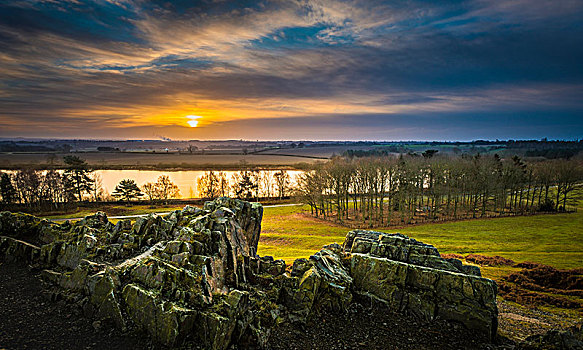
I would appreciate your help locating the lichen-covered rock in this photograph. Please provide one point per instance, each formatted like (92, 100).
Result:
(410, 276)
(164, 320)
(25, 226)
(324, 284)
(194, 276)
(16, 249)
(399, 247)
(183, 276)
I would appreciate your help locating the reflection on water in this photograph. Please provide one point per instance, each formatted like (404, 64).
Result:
(185, 180)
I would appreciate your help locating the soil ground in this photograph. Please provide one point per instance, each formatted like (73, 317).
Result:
(377, 328)
(30, 320)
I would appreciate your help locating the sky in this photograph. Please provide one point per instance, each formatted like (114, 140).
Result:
(292, 70)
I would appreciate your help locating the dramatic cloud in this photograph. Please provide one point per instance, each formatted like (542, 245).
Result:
(308, 69)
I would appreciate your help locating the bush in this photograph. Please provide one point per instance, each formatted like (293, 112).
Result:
(547, 205)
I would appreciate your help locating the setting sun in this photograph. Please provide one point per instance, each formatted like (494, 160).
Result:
(193, 122)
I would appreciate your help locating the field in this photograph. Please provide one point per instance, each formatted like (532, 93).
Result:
(553, 239)
(142, 158)
(155, 161)
(113, 210)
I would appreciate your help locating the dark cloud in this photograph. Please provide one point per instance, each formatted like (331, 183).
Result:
(347, 68)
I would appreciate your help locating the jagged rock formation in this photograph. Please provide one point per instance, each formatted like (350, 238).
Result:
(411, 276)
(194, 276)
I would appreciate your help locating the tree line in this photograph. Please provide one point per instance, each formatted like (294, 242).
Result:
(52, 189)
(245, 184)
(383, 191)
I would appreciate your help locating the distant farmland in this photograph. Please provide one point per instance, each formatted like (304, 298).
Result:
(158, 161)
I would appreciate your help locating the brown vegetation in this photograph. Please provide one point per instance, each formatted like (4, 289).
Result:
(538, 284)
(484, 260)
(452, 256)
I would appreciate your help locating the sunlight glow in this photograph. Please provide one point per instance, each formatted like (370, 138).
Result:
(193, 122)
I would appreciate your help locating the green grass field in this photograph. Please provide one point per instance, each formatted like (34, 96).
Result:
(554, 239)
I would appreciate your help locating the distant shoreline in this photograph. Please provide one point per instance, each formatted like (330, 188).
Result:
(206, 167)
(171, 161)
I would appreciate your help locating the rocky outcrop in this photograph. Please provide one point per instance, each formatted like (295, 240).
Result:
(194, 275)
(410, 276)
(182, 277)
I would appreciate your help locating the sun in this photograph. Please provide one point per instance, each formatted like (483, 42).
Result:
(193, 122)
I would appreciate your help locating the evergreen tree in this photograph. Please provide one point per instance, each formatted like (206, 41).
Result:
(244, 185)
(127, 190)
(77, 174)
(7, 189)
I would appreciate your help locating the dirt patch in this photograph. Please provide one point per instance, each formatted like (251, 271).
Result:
(374, 328)
(522, 318)
(30, 320)
(563, 281)
(531, 298)
(538, 284)
(519, 322)
(484, 260)
(452, 256)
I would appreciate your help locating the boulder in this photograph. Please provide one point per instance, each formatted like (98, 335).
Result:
(410, 276)
(324, 284)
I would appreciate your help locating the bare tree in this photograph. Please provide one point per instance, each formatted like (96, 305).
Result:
(97, 192)
(567, 174)
(209, 185)
(28, 186)
(267, 182)
(282, 182)
(433, 187)
(162, 189)
(224, 187)
(166, 188)
(150, 190)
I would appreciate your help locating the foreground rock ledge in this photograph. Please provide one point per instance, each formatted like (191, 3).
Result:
(194, 276)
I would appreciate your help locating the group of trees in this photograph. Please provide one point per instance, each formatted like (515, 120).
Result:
(388, 190)
(245, 184)
(163, 189)
(51, 188)
(77, 182)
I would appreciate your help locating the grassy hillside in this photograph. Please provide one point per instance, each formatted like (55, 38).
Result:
(555, 239)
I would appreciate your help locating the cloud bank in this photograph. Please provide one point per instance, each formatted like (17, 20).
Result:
(308, 69)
